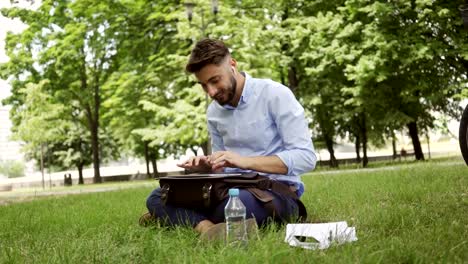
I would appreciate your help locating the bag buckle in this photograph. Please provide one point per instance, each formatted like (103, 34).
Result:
(207, 194)
(164, 193)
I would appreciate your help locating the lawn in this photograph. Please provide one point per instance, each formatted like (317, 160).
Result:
(411, 213)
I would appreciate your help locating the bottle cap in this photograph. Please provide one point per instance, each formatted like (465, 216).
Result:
(234, 192)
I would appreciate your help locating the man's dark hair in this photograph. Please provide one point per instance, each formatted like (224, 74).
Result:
(206, 51)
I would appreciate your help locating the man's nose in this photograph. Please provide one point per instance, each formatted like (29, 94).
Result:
(211, 90)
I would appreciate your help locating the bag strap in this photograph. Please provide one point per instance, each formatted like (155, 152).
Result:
(284, 190)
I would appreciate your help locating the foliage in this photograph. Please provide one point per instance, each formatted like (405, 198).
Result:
(76, 45)
(12, 168)
(109, 76)
(40, 117)
(384, 65)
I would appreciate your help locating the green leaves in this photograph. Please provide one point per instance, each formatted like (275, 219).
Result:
(40, 116)
(119, 65)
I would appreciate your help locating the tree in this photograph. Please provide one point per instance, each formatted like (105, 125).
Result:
(362, 69)
(147, 42)
(40, 123)
(410, 58)
(373, 58)
(77, 42)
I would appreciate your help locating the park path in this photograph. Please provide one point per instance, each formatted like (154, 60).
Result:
(21, 196)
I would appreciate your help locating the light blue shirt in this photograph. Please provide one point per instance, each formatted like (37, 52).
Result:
(267, 121)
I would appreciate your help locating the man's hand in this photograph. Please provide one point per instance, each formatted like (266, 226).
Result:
(222, 159)
(197, 164)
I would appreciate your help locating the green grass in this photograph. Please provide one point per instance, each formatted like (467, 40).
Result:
(414, 213)
(453, 157)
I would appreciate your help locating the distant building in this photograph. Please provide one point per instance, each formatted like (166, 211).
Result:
(9, 150)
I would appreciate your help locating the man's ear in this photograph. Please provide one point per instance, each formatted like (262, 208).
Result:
(233, 64)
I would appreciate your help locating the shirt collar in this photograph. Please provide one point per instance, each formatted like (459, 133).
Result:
(246, 92)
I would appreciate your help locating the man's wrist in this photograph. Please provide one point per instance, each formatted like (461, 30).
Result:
(248, 163)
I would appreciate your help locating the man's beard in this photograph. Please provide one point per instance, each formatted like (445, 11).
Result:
(231, 91)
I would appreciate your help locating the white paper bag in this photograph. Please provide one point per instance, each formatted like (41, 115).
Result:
(325, 234)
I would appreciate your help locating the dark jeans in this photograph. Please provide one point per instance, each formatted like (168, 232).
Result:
(287, 209)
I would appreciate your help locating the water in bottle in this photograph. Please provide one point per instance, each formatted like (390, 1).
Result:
(236, 231)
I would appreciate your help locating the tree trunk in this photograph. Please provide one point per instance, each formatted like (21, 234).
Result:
(154, 163)
(147, 160)
(413, 132)
(357, 146)
(95, 148)
(48, 168)
(92, 115)
(333, 161)
(282, 78)
(292, 78)
(365, 160)
(42, 165)
(204, 146)
(195, 151)
(428, 145)
(80, 173)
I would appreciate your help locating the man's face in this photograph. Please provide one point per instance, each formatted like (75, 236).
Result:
(218, 81)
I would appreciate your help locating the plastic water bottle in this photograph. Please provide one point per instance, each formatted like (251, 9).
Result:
(234, 212)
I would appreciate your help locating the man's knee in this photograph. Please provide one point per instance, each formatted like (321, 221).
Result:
(153, 200)
(281, 208)
(255, 208)
(245, 196)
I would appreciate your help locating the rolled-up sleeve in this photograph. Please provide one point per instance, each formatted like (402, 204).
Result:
(299, 154)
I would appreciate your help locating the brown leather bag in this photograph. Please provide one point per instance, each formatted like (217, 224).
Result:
(205, 191)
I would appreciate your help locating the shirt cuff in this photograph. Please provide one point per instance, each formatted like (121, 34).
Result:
(288, 161)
